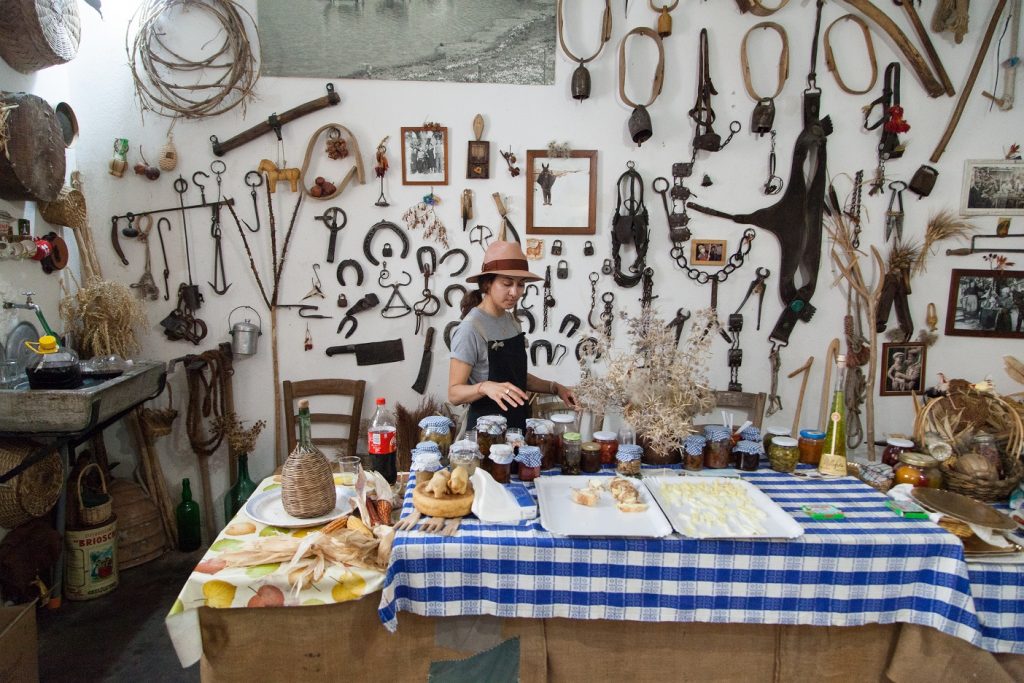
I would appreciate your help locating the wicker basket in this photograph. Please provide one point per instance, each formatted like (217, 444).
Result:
(94, 515)
(307, 484)
(32, 493)
(35, 34)
(1009, 434)
(68, 209)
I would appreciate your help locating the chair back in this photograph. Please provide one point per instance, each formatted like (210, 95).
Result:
(751, 403)
(335, 402)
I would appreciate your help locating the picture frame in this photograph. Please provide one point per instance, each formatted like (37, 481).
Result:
(902, 368)
(992, 187)
(708, 252)
(425, 155)
(561, 193)
(478, 160)
(986, 303)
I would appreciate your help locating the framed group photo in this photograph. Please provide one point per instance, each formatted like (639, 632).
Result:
(992, 188)
(903, 367)
(986, 303)
(425, 155)
(561, 193)
(707, 252)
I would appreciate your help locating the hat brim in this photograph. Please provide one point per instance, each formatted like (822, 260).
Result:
(523, 274)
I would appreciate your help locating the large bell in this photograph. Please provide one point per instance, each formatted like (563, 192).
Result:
(640, 127)
(580, 83)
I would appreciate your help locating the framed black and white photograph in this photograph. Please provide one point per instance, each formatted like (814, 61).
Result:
(561, 193)
(992, 188)
(459, 41)
(425, 155)
(986, 303)
(902, 369)
(707, 252)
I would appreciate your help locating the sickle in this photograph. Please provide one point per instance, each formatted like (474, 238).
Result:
(453, 288)
(448, 333)
(115, 241)
(572, 322)
(541, 344)
(350, 263)
(383, 225)
(465, 260)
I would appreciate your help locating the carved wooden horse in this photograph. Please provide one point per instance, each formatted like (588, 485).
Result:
(276, 175)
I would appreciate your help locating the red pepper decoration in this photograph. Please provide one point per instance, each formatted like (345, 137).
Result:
(896, 122)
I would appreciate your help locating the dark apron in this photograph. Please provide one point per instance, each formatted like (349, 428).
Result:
(506, 363)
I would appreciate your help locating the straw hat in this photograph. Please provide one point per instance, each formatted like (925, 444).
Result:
(505, 258)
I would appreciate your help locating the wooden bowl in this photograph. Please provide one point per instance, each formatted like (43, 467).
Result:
(449, 506)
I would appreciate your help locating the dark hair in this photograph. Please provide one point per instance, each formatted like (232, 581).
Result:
(473, 299)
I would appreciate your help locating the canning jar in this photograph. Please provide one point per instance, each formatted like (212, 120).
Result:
(465, 453)
(541, 433)
(811, 443)
(918, 469)
(501, 462)
(693, 452)
(609, 443)
(590, 457)
(627, 459)
(770, 433)
(893, 448)
(514, 438)
(424, 464)
(985, 444)
(748, 455)
(783, 453)
(751, 433)
(571, 453)
(490, 430)
(718, 449)
(563, 422)
(529, 459)
(440, 430)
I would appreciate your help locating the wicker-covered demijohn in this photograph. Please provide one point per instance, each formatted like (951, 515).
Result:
(307, 480)
(35, 34)
(32, 493)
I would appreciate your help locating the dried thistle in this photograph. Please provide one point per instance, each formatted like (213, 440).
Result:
(240, 440)
(658, 387)
(945, 225)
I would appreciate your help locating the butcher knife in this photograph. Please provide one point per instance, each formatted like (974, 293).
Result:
(420, 386)
(372, 353)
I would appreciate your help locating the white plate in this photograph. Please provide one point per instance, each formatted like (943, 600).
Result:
(776, 523)
(560, 515)
(266, 508)
(16, 349)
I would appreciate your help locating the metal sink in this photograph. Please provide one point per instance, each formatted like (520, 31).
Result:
(63, 411)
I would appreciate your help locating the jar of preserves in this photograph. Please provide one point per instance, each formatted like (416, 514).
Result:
(693, 452)
(514, 438)
(563, 422)
(751, 433)
(918, 469)
(749, 455)
(609, 443)
(784, 453)
(811, 443)
(440, 430)
(424, 464)
(529, 459)
(590, 457)
(465, 453)
(893, 448)
(571, 453)
(718, 448)
(770, 433)
(501, 462)
(541, 433)
(985, 445)
(627, 459)
(490, 430)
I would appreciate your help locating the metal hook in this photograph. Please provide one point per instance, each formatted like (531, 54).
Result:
(202, 188)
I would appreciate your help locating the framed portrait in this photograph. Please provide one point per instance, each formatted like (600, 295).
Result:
(561, 193)
(707, 252)
(986, 303)
(992, 188)
(902, 369)
(425, 155)
(478, 160)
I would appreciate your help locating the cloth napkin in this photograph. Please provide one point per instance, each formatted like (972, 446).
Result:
(492, 503)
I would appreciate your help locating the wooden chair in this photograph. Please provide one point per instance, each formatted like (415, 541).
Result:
(337, 390)
(753, 404)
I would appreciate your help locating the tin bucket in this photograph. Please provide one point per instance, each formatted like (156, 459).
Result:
(90, 561)
(244, 335)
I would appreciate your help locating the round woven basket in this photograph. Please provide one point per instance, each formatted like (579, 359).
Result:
(32, 493)
(307, 484)
(68, 209)
(94, 514)
(35, 34)
(1009, 434)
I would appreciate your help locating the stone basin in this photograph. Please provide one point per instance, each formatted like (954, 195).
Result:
(63, 411)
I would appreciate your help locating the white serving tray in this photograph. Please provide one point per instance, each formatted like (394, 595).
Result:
(559, 515)
(777, 523)
(266, 508)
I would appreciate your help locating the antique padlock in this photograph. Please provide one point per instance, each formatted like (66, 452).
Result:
(387, 252)
(735, 358)
(342, 300)
(664, 22)
(682, 169)
(709, 141)
(681, 192)
(923, 181)
(580, 83)
(763, 119)
(562, 270)
(606, 266)
(556, 248)
(588, 248)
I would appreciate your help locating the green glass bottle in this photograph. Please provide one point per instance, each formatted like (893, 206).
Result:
(833, 459)
(190, 535)
(240, 492)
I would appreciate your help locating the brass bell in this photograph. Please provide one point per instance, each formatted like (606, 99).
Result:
(664, 23)
(580, 83)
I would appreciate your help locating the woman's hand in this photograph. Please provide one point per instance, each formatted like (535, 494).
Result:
(505, 394)
(567, 396)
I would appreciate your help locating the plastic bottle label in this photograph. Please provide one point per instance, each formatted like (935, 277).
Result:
(382, 442)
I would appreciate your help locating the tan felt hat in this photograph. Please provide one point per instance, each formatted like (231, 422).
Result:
(505, 258)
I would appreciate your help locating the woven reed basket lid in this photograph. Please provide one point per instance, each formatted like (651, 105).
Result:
(35, 34)
(67, 209)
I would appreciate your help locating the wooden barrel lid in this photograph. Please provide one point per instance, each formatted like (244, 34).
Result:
(32, 160)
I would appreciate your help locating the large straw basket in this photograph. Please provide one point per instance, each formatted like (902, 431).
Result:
(35, 34)
(976, 412)
(68, 209)
(32, 493)
(94, 514)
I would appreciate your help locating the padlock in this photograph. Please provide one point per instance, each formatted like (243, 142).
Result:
(388, 252)
(763, 119)
(606, 266)
(735, 358)
(556, 248)
(709, 142)
(680, 192)
(682, 169)
(735, 322)
(342, 300)
(562, 270)
(588, 248)
(923, 181)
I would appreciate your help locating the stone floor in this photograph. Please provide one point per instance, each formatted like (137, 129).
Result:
(120, 636)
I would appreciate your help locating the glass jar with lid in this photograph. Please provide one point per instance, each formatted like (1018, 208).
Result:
(627, 435)
(984, 444)
(749, 455)
(751, 433)
(784, 453)
(769, 433)
(541, 433)
(440, 430)
(563, 422)
(490, 429)
(424, 464)
(529, 459)
(693, 452)
(893, 447)
(571, 453)
(918, 469)
(465, 453)
(609, 443)
(718, 448)
(811, 444)
(590, 457)
(627, 459)
(501, 462)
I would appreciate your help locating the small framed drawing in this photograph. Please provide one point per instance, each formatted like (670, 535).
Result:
(478, 160)
(902, 369)
(707, 252)
(986, 303)
(992, 188)
(425, 155)
(561, 193)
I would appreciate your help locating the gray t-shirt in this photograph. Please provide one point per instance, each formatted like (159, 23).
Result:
(469, 347)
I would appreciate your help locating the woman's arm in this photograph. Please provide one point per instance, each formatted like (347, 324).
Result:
(543, 386)
(505, 394)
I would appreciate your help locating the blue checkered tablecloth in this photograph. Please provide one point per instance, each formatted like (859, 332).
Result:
(871, 567)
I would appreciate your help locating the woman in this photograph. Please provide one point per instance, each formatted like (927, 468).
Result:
(488, 359)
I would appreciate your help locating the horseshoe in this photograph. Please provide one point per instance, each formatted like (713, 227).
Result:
(569, 321)
(448, 329)
(453, 288)
(465, 260)
(350, 263)
(525, 313)
(383, 225)
(540, 344)
(588, 345)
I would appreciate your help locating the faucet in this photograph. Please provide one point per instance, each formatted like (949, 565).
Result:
(29, 306)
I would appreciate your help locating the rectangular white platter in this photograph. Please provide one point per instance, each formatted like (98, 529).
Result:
(559, 515)
(769, 520)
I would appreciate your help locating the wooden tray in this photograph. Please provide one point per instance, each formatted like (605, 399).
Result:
(449, 506)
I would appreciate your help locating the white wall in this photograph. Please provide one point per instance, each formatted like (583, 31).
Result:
(528, 117)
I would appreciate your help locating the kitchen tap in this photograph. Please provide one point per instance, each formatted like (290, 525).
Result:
(29, 306)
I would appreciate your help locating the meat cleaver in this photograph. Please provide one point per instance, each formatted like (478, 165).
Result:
(372, 353)
(420, 386)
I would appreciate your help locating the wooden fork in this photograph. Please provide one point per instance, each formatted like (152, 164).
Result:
(433, 525)
(408, 523)
(451, 526)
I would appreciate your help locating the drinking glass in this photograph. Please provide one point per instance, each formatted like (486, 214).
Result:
(9, 374)
(348, 469)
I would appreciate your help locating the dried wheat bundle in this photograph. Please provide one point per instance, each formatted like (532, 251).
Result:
(104, 316)
(945, 225)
